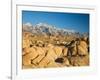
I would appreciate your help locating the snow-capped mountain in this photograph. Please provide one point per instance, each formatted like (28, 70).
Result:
(43, 28)
(27, 27)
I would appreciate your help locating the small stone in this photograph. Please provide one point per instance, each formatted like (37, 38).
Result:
(66, 61)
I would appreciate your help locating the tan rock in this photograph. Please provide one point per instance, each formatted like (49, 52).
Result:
(27, 50)
(80, 61)
(26, 34)
(51, 54)
(45, 49)
(26, 43)
(82, 51)
(29, 56)
(58, 51)
(74, 51)
(44, 62)
(83, 44)
(65, 51)
(53, 64)
(26, 61)
(66, 61)
(28, 66)
(50, 46)
(38, 59)
(40, 50)
(86, 39)
(41, 54)
(83, 48)
(26, 39)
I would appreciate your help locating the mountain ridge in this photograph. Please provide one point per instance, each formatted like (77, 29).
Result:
(44, 28)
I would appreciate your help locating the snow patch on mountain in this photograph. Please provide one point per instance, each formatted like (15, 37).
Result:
(43, 28)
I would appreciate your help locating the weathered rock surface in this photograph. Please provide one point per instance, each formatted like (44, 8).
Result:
(65, 52)
(44, 53)
(79, 61)
(58, 51)
(83, 48)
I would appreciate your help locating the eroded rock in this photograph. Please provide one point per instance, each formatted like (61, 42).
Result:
(58, 51)
(43, 54)
(80, 61)
(65, 51)
(82, 48)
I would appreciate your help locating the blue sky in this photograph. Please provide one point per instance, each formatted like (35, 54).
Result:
(75, 21)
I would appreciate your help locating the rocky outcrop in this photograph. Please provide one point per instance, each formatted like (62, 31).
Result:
(73, 54)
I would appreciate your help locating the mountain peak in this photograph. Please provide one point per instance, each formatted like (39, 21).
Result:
(28, 24)
(44, 25)
(44, 28)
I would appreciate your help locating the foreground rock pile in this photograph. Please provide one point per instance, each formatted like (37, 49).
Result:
(41, 54)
